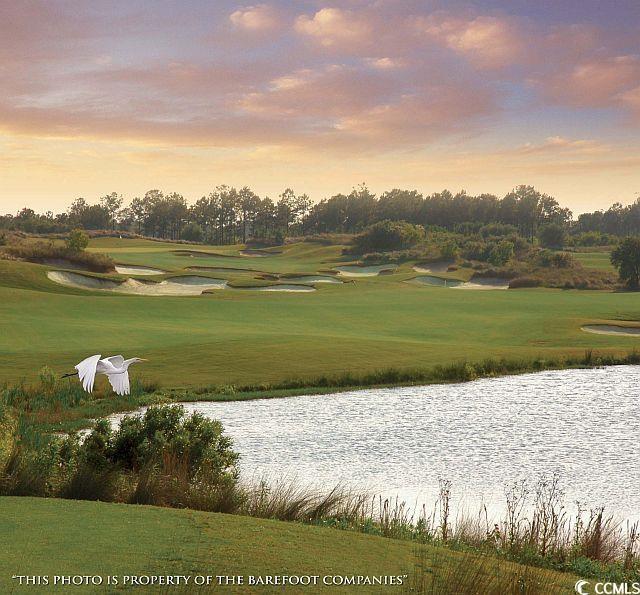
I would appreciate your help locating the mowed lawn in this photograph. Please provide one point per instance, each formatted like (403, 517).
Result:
(41, 537)
(237, 337)
(595, 260)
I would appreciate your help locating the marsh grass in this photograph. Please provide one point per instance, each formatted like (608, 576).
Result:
(478, 574)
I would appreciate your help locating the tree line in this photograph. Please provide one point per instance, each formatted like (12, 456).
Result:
(229, 215)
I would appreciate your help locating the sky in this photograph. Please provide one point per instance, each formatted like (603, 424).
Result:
(184, 95)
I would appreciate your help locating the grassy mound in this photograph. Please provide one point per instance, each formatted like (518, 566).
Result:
(60, 537)
(50, 253)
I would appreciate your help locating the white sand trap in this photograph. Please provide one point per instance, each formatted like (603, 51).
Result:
(364, 271)
(612, 329)
(484, 283)
(185, 285)
(221, 269)
(314, 279)
(132, 269)
(440, 266)
(436, 281)
(282, 287)
(255, 253)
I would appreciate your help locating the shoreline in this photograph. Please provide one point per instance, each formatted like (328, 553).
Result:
(457, 373)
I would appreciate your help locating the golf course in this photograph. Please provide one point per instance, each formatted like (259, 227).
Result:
(231, 322)
(236, 335)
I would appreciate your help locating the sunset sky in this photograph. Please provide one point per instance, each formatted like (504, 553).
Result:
(184, 95)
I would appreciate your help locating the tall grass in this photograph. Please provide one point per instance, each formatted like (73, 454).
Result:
(478, 574)
(43, 252)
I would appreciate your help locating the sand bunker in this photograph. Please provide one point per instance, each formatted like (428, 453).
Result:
(185, 285)
(440, 266)
(256, 253)
(221, 269)
(483, 283)
(612, 329)
(364, 271)
(132, 269)
(436, 281)
(202, 254)
(281, 287)
(313, 279)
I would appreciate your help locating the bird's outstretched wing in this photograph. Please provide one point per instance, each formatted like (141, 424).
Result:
(116, 360)
(87, 372)
(119, 383)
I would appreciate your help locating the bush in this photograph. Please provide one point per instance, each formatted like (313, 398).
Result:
(192, 232)
(552, 236)
(388, 235)
(519, 282)
(145, 440)
(626, 258)
(77, 241)
(558, 260)
(501, 253)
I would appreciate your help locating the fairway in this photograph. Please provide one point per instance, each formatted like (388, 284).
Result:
(237, 337)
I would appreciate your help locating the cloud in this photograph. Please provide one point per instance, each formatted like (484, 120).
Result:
(333, 27)
(602, 82)
(555, 145)
(330, 92)
(420, 118)
(261, 17)
(384, 63)
(486, 41)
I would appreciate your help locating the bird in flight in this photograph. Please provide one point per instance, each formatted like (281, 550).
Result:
(115, 368)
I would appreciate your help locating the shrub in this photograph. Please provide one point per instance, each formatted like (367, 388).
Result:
(525, 282)
(77, 241)
(626, 258)
(501, 253)
(193, 232)
(552, 236)
(558, 260)
(164, 431)
(449, 250)
(388, 235)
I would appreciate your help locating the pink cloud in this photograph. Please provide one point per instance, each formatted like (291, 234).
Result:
(261, 17)
(600, 82)
(333, 91)
(334, 27)
(486, 41)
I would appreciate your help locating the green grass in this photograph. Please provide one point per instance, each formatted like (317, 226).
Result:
(242, 337)
(595, 260)
(61, 537)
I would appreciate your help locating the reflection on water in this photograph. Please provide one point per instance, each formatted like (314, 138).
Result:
(584, 424)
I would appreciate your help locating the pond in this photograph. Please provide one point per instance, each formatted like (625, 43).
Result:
(481, 435)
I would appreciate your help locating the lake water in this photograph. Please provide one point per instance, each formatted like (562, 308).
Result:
(582, 424)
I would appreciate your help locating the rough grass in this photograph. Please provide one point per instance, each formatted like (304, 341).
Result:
(43, 252)
(58, 537)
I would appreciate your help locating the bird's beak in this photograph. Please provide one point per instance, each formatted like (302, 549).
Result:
(142, 359)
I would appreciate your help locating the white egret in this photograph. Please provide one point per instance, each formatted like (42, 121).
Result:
(115, 368)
